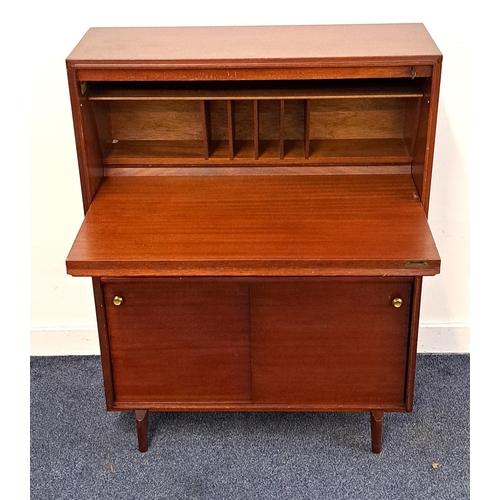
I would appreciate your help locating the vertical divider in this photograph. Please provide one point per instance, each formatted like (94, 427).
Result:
(307, 120)
(207, 130)
(230, 128)
(256, 129)
(411, 125)
(282, 129)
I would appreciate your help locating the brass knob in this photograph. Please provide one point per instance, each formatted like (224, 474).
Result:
(117, 300)
(397, 302)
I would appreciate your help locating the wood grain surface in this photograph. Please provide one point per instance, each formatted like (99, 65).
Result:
(260, 225)
(176, 341)
(255, 43)
(337, 341)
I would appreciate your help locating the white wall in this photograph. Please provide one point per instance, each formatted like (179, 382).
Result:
(62, 319)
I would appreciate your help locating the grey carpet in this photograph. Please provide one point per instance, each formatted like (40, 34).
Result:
(79, 451)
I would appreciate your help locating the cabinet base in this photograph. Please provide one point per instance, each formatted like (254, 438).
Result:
(376, 425)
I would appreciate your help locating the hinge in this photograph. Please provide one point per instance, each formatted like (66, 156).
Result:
(416, 263)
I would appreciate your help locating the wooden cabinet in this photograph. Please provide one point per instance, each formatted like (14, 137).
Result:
(256, 207)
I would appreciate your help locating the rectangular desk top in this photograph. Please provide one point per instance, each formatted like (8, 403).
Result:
(336, 225)
(255, 44)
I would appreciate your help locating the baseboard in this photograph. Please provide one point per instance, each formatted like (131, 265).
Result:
(64, 341)
(84, 341)
(444, 339)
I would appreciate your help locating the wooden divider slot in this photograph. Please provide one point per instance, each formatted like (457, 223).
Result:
(282, 129)
(230, 128)
(256, 129)
(306, 128)
(294, 129)
(207, 132)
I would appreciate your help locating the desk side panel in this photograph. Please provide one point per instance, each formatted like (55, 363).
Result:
(86, 138)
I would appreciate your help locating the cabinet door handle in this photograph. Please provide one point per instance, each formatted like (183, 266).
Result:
(397, 302)
(117, 300)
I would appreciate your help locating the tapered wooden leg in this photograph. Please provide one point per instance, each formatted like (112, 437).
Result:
(141, 420)
(376, 423)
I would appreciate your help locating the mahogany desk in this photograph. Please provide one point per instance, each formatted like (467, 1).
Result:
(256, 207)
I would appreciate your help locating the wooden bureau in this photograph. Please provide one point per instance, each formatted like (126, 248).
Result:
(256, 205)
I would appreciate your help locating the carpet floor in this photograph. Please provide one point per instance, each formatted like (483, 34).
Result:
(80, 451)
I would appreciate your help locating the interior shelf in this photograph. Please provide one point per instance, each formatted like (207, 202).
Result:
(244, 91)
(334, 152)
